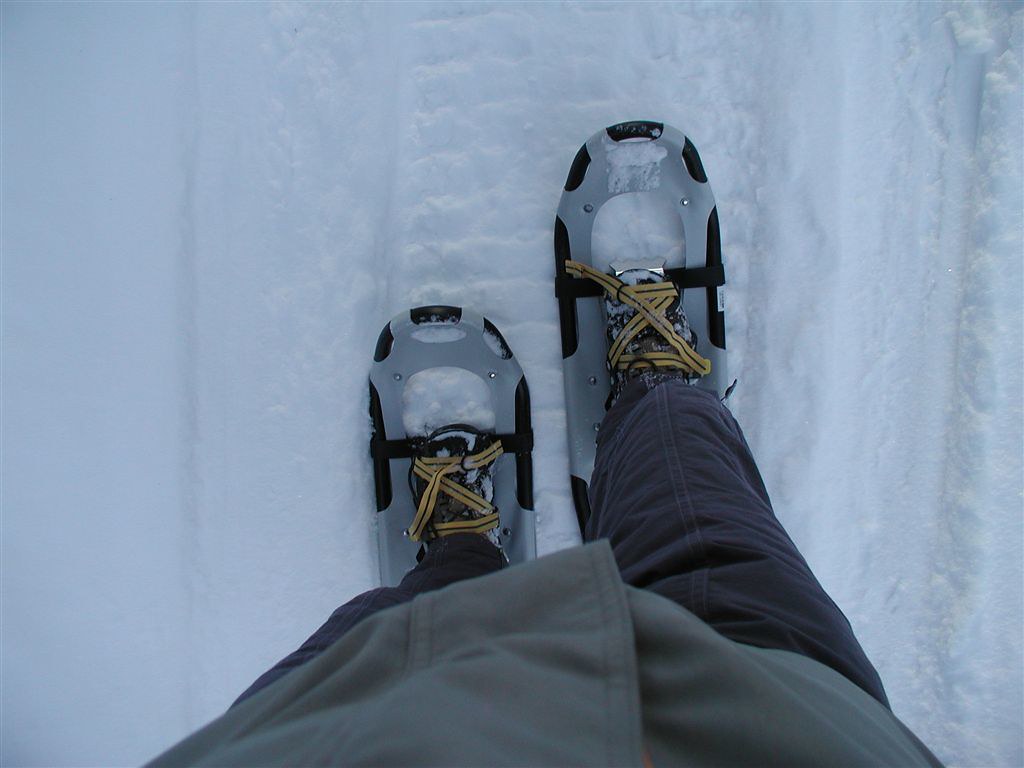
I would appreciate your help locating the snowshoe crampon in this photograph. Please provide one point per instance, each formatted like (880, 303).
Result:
(444, 337)
(652, 159)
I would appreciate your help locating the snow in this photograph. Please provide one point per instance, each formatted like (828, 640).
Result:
(633, 165)
(445, 395)
(437, 333)
(210, 210)
(635, 227)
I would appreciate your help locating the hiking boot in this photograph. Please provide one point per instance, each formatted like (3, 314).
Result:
(647, 354)
(451, 481)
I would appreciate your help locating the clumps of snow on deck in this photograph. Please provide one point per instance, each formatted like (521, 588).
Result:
(437, 397)
(633, 165)
(497, 344)
(438, 333)
(638, 227)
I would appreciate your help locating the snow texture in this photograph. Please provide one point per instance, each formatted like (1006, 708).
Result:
(210, 209)
(441, 396)
(635, 227)
(633, 165)
(437, 333)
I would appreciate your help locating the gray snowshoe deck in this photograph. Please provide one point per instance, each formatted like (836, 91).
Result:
(678, 176)
(481, 350)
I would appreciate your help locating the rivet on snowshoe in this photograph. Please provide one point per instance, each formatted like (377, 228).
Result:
(506, 532)
(592, 380)
(491, 374)
(597, 426)
(398, 377)
(588, 208)
(684, 201)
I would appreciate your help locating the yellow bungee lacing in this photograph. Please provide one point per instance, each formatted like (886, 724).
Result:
(435, 469)
(650, 300)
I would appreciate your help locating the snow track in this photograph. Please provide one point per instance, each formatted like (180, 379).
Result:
(210, 210)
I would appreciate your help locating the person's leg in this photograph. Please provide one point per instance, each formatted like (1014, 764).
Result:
(676, 491)
(450, 559)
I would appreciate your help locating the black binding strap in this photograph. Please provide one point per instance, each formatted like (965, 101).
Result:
(518, 442)
(567, 287)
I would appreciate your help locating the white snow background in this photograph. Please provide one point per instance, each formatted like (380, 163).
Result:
(210, 210)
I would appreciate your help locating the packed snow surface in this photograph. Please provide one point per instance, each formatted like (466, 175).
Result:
(438, 333)
(445, 395)
(209, 210)
(636, 229)
(633, 164)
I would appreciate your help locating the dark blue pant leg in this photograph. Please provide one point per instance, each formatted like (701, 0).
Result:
(451, 559)
(676, 491)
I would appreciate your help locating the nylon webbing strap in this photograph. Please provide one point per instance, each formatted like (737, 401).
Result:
(436, 470)
(650, 300)
(512, 442)
(567, 287)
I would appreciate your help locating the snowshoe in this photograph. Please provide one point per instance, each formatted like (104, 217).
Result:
(660, 161)
(458, 477)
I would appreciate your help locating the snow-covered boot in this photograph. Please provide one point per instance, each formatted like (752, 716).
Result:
(647, 330)
(451, 481)
(638, 347)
